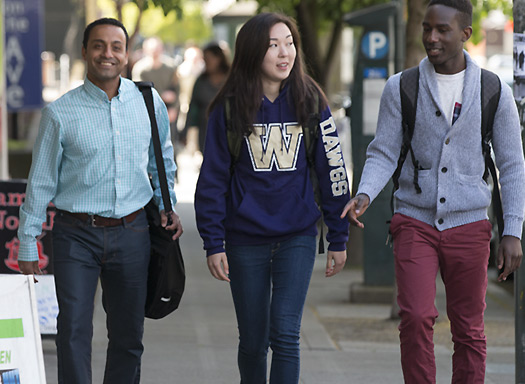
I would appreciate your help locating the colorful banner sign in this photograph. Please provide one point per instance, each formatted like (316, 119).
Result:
(23, 47)
(21, 356)
(3, 109)
(12, 195)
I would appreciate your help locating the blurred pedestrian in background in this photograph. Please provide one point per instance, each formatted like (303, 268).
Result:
(206, 87)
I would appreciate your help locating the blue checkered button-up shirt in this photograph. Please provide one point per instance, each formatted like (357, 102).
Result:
(93, 155)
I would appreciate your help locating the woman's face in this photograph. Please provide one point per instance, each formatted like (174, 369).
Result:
(280, 56)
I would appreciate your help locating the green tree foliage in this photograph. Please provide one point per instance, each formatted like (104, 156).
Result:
(481, 9)
(174, 21)
(174, 29)
(167, 6)
(320, 24)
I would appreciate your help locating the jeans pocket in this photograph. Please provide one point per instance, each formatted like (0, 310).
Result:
(140, 224)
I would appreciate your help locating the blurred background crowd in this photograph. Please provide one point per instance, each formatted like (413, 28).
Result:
(185, 48)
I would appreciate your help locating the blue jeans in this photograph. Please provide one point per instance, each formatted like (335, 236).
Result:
(269, 285)
(119, 256)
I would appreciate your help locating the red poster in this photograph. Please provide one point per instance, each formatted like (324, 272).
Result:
(12, 195)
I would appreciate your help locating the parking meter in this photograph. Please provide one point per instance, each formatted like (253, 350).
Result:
(379, 56)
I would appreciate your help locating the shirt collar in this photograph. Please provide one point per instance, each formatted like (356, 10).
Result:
(99, 94)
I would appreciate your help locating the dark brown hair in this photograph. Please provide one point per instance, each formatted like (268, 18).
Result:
(244, 83)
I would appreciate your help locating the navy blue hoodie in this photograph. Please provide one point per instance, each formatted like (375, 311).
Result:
(269, 197)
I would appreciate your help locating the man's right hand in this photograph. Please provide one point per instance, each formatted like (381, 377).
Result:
(29, 268)
(355, 208)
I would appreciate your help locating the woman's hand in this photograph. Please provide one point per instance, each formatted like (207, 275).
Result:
(335, 261)
(218, 266)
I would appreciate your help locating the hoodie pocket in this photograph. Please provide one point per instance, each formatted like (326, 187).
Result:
(277, 214)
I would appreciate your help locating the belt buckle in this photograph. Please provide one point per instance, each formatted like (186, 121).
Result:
(93, 221)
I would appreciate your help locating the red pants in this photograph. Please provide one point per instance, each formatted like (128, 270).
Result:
(461, 254)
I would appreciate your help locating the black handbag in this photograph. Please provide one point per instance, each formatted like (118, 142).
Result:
(166, 273)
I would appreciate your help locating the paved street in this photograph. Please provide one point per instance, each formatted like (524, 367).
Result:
(341, 342)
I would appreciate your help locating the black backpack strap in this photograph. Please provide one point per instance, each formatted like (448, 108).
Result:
(145, 88)
(310, 136)
(408, 89)
(233, 137)
(490, 95)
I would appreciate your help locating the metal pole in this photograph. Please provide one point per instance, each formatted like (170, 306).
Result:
(519, 275)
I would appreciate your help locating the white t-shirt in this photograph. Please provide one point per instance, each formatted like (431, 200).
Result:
(450, 90)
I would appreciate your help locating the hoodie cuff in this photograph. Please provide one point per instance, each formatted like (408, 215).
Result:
(213, 251)
(337, 247)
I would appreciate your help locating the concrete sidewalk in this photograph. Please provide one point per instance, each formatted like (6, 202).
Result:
(341, 342)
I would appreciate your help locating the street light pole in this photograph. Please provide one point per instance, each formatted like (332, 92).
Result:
(519, 276)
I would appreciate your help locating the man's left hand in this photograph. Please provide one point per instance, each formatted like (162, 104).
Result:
(175, 223)
(509, 255)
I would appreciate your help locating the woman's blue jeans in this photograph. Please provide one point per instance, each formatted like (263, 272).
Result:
(269, 285)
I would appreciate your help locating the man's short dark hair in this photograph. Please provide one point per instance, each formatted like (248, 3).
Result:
(464, 7)
(103, 21)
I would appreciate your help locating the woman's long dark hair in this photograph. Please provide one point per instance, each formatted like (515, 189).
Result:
(244, 82)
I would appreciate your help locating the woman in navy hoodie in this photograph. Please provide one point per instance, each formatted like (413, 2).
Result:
(256, 211)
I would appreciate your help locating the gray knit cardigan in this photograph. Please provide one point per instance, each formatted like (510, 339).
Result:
(453, 190)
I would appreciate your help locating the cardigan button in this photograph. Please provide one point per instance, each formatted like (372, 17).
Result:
(438, 113)
(447, 141)
(440, 221)
(442, 200)
(444, 169)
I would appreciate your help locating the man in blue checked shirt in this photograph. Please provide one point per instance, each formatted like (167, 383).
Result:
(92, 159)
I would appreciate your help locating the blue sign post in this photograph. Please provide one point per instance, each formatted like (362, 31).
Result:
(375, 45)
(23, 46)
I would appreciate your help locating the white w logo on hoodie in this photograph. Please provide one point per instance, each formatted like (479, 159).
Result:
(274, 144)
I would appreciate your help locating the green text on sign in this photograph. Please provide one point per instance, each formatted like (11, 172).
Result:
(11, 328)
(5, 357)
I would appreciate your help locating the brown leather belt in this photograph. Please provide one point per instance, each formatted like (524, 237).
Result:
(100, 221)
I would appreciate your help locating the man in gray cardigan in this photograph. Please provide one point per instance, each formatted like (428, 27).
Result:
(445, 227)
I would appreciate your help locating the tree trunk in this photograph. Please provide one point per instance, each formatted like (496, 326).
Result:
(308, 31)
(141, 6)
(118, 6)
(318, 66)
(335, 39)
(414, 47)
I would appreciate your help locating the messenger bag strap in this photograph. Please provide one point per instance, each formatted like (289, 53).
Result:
(145, 88)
